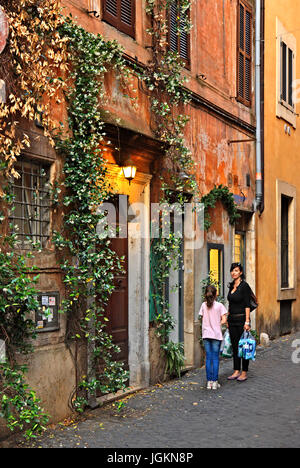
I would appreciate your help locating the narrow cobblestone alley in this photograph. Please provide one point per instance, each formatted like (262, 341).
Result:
(262, 412)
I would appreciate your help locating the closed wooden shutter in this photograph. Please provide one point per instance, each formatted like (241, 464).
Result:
(244, 60)
(120, 14)
(179, 39)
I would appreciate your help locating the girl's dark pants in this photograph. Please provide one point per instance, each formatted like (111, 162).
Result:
(236, 329)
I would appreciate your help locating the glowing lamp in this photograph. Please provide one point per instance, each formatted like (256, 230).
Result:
(129, 170)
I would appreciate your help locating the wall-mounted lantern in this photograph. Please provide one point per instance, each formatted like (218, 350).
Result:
(129, 170)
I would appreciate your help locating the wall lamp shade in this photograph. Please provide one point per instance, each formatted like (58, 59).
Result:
(129, 169)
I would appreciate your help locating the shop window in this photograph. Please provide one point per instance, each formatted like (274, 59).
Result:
(216, 265)
(30, 214)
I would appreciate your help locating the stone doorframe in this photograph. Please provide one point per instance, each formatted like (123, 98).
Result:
(138, 192)
(250, 233)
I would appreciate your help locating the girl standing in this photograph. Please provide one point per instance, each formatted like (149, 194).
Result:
(213, 315)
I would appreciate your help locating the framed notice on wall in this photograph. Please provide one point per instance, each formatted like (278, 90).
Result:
(47, 318)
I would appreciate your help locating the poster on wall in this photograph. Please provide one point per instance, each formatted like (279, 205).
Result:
(47, 318)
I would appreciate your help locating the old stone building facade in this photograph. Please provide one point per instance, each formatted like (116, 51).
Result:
(277, 224)
(219, 57)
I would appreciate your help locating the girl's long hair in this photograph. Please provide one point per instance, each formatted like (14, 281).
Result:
(210, 295)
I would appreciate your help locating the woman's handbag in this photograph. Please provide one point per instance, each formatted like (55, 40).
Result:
(253, 301)
(247, 347)
(226, 346)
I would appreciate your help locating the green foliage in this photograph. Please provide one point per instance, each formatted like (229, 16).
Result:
(165, 82)
(255, 335)
(18, 298)
(19, 404)
(222, 194)
(175, 357)
(89, 264)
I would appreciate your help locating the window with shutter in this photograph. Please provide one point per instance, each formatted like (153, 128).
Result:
(120, 14)
(286, 56)
(287, 72)
(244, 60)
(179, 38)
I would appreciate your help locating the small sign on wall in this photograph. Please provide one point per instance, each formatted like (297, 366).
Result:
(47, 319)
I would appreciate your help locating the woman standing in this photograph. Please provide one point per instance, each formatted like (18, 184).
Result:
(213, 315)
(238, 318)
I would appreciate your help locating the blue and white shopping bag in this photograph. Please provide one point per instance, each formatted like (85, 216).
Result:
(247, 347)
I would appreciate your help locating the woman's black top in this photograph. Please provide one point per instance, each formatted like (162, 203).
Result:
(239, 301)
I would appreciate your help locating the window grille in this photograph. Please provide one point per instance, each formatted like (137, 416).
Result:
(30, 216)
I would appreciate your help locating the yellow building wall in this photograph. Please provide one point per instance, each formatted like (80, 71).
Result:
(282, 162)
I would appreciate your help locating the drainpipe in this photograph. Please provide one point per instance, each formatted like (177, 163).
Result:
(259, 179)
(262, 98)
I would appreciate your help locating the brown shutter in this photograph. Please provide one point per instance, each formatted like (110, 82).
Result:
(178, 42)
(120, 14)
(244, 60)
(173, 36)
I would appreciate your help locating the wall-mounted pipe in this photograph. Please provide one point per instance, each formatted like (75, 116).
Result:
(259, 178)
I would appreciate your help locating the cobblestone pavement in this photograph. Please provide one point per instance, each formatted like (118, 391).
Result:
(261, 412)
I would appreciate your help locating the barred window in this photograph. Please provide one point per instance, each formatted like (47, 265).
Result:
(30, 215)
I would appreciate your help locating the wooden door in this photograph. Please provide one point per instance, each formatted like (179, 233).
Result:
(117, 308)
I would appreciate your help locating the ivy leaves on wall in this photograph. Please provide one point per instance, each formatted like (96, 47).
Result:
(219, 193)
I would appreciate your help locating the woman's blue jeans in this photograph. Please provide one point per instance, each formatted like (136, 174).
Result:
(212, 349)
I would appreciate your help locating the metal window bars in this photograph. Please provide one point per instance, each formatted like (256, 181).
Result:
(30, 216)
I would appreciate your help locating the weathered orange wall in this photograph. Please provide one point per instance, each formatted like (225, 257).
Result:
(213, 54)
(281, 162)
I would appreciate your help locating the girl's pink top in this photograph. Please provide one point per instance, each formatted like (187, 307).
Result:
(211, 323)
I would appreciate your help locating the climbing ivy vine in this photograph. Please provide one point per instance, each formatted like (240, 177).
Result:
(32, 65)
(165, 81)
(219, 193)
(90, 265)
